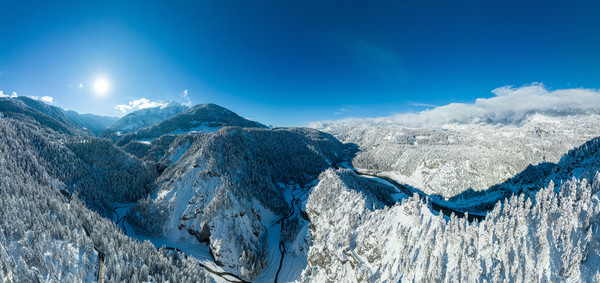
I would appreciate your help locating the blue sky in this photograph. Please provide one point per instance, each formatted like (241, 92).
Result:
(289, 63)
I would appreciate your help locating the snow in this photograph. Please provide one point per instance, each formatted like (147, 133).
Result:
(398, 196)
(274, 235)
(357, 234)
(293, 261)
(176, 153)
(74, 265)
(453, 158)
(182, 241)
(179, 196)
(407, 242)
(187, 189)
(145, 117)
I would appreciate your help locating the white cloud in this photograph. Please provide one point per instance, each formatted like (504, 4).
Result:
(184, 94)
(138, 104)
(419, 104)
(509, 105)
(341, 111)
(14, 94)
(47, 99)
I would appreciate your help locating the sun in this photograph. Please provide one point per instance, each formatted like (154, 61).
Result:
(101, 86)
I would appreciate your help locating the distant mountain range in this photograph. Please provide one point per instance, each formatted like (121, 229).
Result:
(56, 118)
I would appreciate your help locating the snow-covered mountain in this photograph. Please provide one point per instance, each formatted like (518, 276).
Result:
(37, 112)
(56, 118)
(199, 118)
(227, 190)
(48, 236)
(143, 118)
(356, 239)
(94, 168)
(549, 231)
(456, 157)
(579, 163)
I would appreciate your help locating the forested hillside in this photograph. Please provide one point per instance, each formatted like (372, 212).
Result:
(553, 237)
(452, 158)
(199, 118)
(225, 184)
(45, 237)
(142, 118)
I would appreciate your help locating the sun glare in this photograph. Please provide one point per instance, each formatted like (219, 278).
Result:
(101, 86)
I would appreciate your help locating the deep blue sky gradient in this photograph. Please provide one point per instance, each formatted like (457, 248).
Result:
(288, 63)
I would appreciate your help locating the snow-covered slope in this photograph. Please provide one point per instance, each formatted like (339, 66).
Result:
(45, 237)
(199, 118)
(455, 157)
(354, 239)
(143, 118)
(582, 162)
(97, 170)
(225, 190)
(240, 197)
(40, 113)
(56, 118)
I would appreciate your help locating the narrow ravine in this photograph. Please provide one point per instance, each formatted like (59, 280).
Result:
(281, 243)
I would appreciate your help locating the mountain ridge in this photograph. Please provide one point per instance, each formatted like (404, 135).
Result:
(201, 117)
(142, 118)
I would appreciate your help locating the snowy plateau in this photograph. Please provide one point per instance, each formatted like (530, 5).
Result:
(200, 194)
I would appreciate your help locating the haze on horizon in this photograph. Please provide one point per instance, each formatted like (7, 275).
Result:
(288, 64)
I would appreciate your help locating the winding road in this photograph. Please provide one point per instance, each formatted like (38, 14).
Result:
(229, 277)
